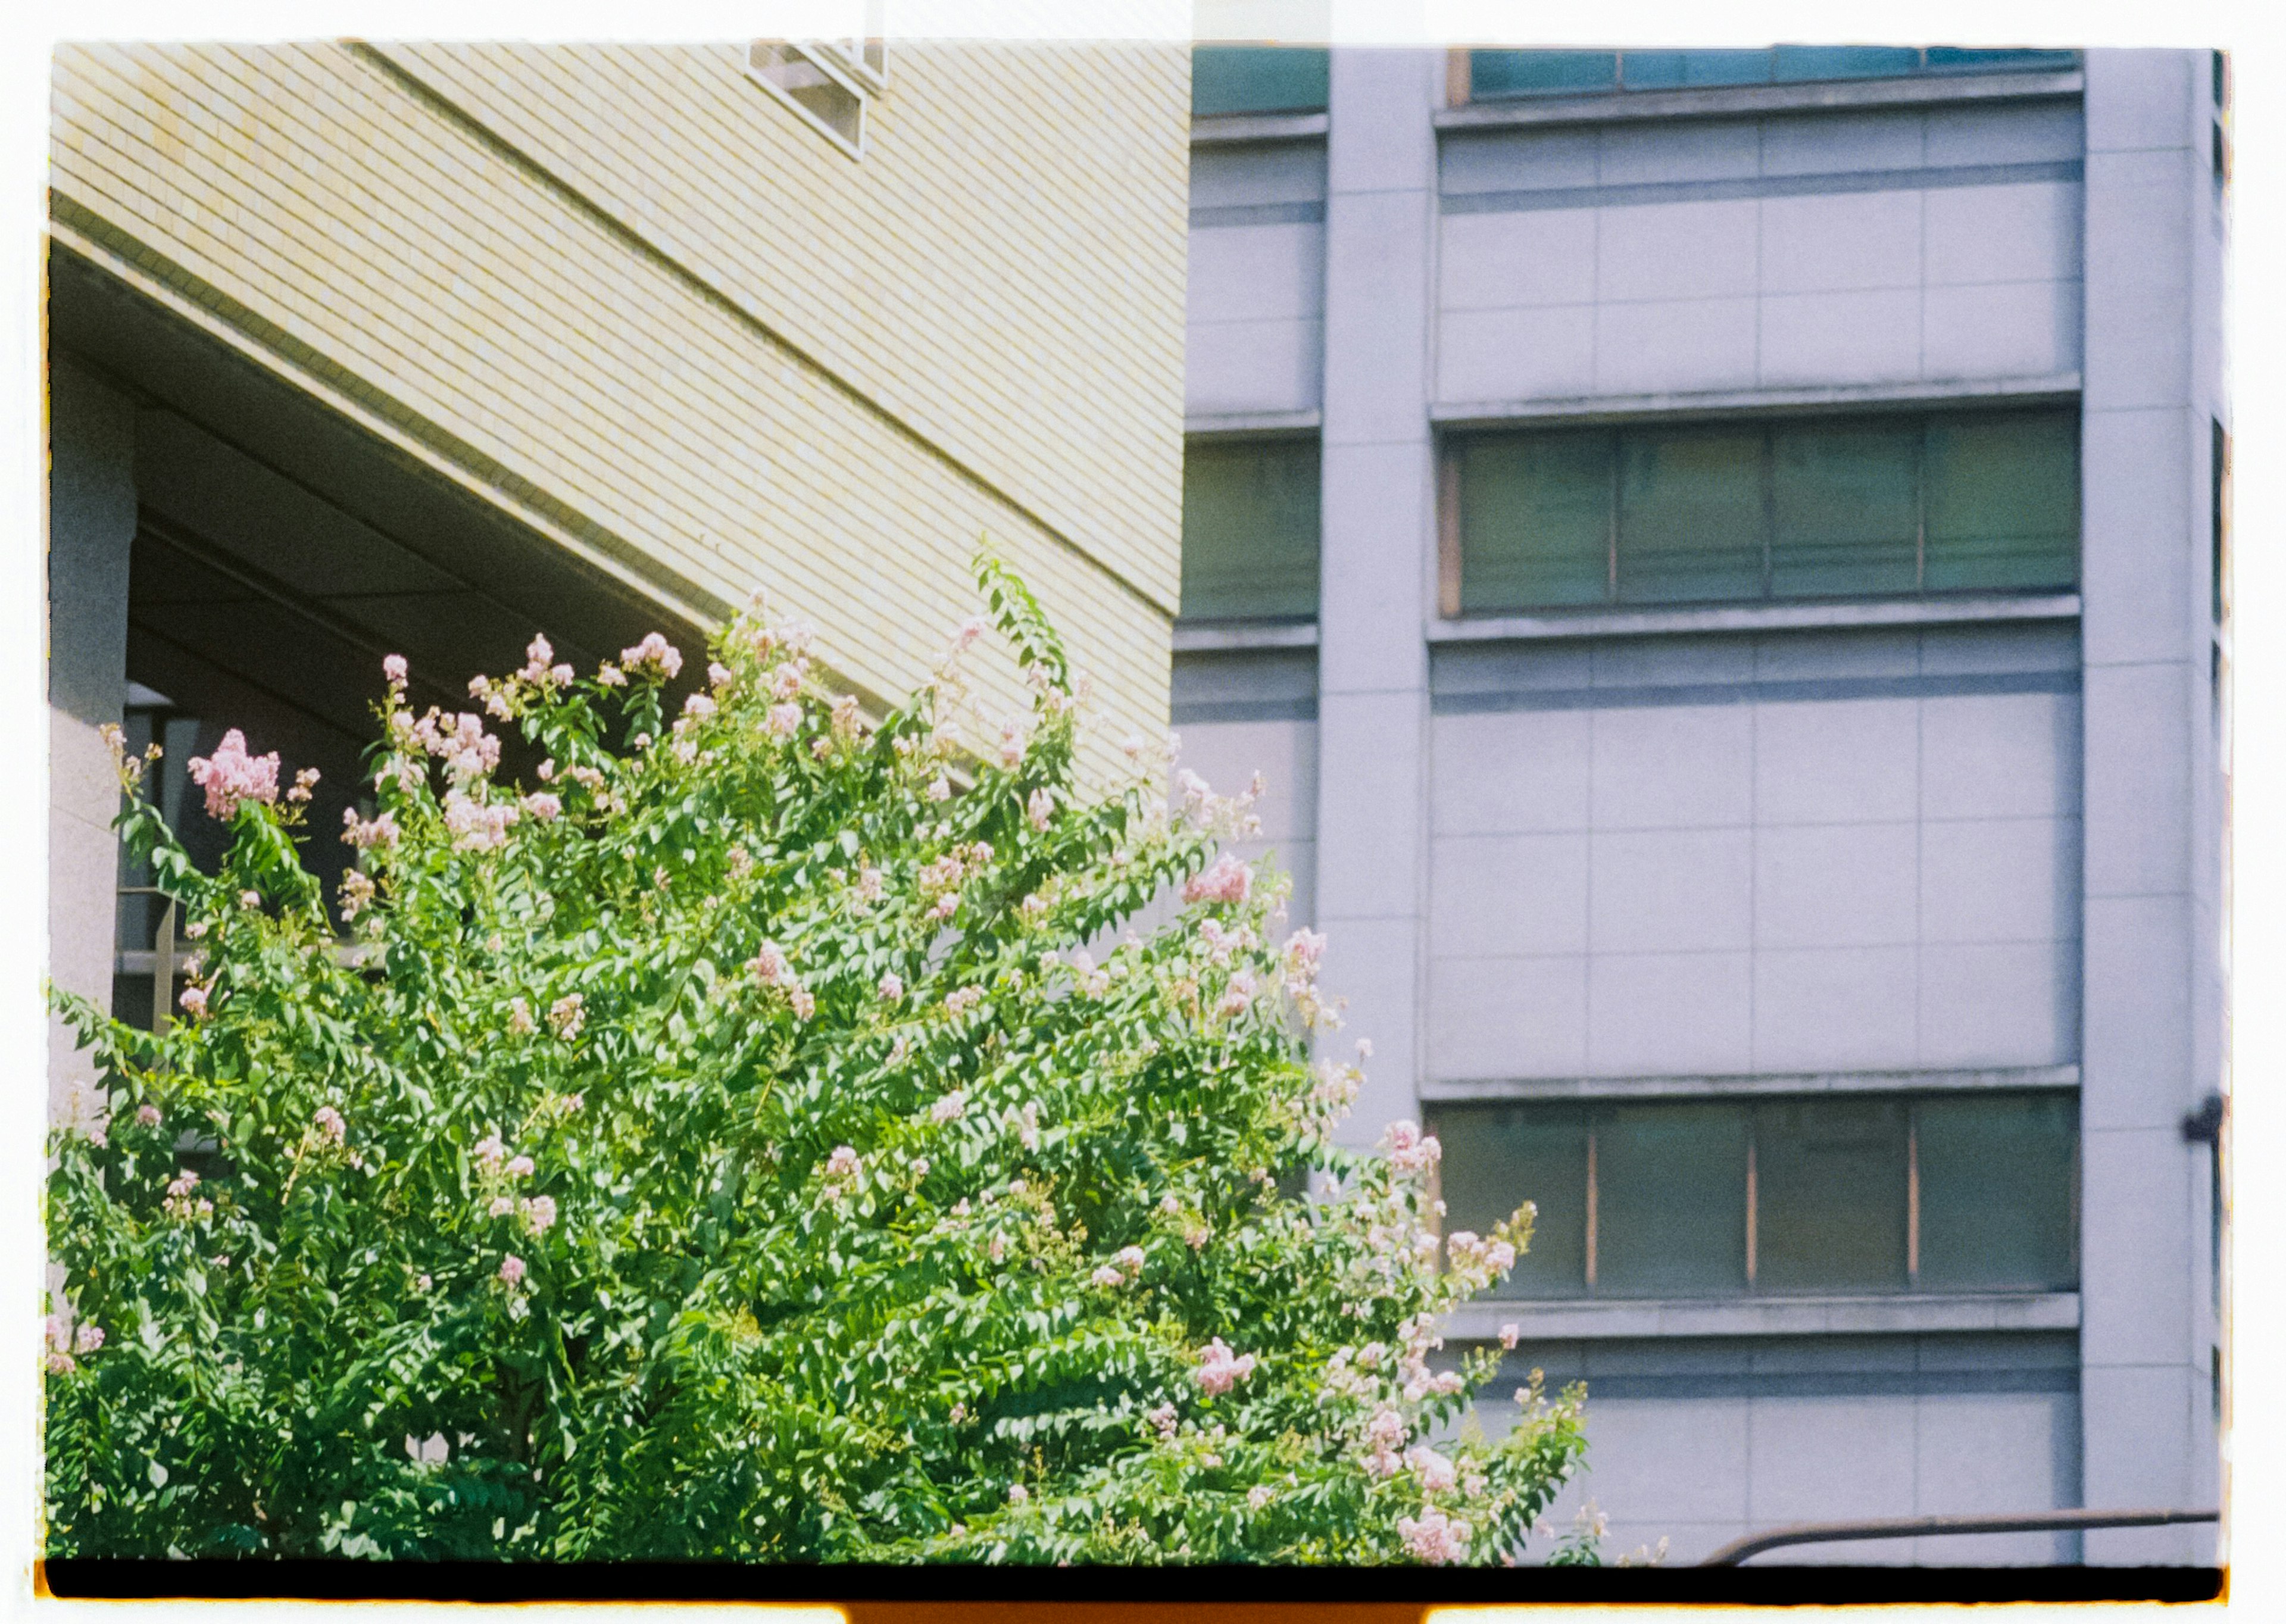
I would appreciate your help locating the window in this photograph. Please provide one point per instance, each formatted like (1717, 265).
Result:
(818, 83)
(1495, 75)
(2219, 514)
(1227, 79)
(1848, 1194)
(1861, 507)
(1250, 530)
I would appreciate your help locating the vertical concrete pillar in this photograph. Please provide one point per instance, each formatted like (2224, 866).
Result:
(91, 527)
(2145, 537)
(1379, 551)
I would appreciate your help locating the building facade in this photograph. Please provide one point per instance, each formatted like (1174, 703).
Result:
(1722, 557)
(365, 349)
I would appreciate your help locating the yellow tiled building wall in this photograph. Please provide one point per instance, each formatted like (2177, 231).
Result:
(631, 296)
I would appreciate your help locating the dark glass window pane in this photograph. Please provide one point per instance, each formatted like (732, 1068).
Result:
(1830, 1182)
(1671, 1201)
(1690, 515)
(1955, 59)
(1842, 508)
(1800, 62)
(1996, 1176)
(1256, 79)
(1535, 520)
(1498, 1158)
(1540, 73)
(1250, 530)
(2003, 500)
(1660, 70)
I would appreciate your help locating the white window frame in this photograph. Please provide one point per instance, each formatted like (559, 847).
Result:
(827, 61)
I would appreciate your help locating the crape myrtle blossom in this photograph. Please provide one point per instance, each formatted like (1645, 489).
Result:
(653, 658)
(1064, 1123)
(231, 777)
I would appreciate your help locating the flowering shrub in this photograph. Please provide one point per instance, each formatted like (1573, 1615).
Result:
(747, 1143)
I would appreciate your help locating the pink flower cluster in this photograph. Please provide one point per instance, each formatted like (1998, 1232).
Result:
(194, 1001)
(1040, 808)
(653, 657)
(511, 1271)
(1220, 1370)
(1478, 1262)
(230, 776)
(949, 1108)
(1224, 880)
(461, 742)
(381, 832)
(1092, 982)
(960, 1000)
(568, 1014)
(62, 1343)
(329, 1122)
(1433, 1537)
(1435, 1471)
(545, 807)
(536, 669)
(1411, 1151)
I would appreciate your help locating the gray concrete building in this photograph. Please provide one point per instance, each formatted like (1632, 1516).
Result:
(1721, 556)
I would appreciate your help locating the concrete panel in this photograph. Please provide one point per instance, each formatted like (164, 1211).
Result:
(1673, 767)
(1517, 161)
(2138, 278)
(1832, 1009)
(1824, 1459)
(1846, 144)
(1953, 650)
(1370, 809)
(2026, 132)
(1841, 338)
(1655, 1461)
(1373, 568)
(1228, 754)
(1253, 367)
(1836, 885)
(2137, 100)
(2135, 1293)
(2139, 534)
(1996, 1453)
(2000, 755)
(1697, 251)
(1668, 661)
(1836, 760)
(1508, 1017)
(2013, 1004)
(1808, 656)
(2139, 1013)
(1376, 375)
(1491, 895)
(1671, 891)
(1543, 256)
(2001, 330)
(2140, 1436)
(2000, 879)
(1517, 354)
(1242, 177)
(1381, 137)
(1258, 273)
(1371, 962)
(1841, 242)
(1675, 345)
(2139, 768)
(1509, 771)
(1651, 1014)
(2016, 234)
(1634, 155)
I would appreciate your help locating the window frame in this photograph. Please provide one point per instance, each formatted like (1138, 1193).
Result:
(1461, 89)
(1925, 416)
(1243, 440)
(1593, 1112)
(827, 60)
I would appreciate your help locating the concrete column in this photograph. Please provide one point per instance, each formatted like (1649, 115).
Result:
(1379, 553)
(2145, 538)
(91, 527)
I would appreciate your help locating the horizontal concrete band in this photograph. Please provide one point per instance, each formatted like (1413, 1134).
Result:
(1929, 687)
(1827, 1384)
(1493, 1090)
(1258, 214)
(1639, 193)
(1889, 1314)
(1243, 710)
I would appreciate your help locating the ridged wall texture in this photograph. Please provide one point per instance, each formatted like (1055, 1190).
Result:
(633, 297)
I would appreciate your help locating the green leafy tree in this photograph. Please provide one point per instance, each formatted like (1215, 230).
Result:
(730, 1146)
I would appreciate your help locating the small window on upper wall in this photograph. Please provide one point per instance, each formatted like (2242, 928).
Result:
(1732, 512)
(1250, 530)
(1227, 79)
(818, 83)
(1495, 75)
